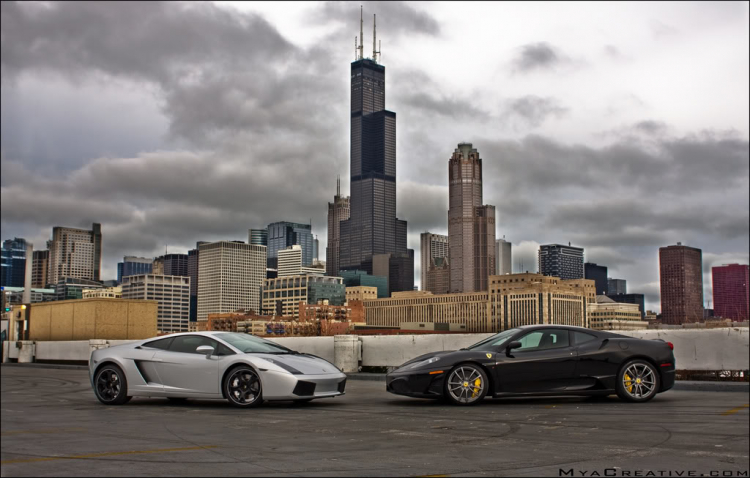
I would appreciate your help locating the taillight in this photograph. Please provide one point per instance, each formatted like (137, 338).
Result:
(671, 345)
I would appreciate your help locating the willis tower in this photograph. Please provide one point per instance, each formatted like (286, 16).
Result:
(373, 239)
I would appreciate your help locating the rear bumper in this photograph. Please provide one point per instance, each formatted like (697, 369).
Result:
(286, 386)
(667, 379)
(418, 384)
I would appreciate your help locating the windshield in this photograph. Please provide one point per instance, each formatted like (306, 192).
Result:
(494, 341)
(251, 344)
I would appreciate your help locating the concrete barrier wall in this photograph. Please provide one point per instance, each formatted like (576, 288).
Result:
(707, 349)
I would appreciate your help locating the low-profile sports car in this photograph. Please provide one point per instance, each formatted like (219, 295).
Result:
(541, 360)
(242, 368)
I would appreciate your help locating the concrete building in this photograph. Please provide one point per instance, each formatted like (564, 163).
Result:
(257, 237)
(503, 257)
(510, 301)
(284, 234)
(438, 276)
(282, 295)
(172, 293)
(558, 260)
(598, 274)
(373, 228)
(361, 293)
(290, 263)
(93, 319)
(616, 286)
(132, 265)
(39, 269)
(14, 295)
(471, 225)
(13, 262)
(75, 253)
(681, 280)
(606, 314)
(103, 293)
(230, 277)
(338, 210)
(731, 287)
(70, 288)
(638, 299)
(431, 246)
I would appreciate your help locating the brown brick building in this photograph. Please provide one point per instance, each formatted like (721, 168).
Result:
(681, 280)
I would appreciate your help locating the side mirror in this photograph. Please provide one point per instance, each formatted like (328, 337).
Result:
(206, 350)
(511, 346)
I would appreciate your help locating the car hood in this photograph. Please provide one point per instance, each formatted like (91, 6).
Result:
(307, 364)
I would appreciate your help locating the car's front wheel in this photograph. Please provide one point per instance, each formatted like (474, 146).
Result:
(110, 385)
(467, 384)
(638, 381)
(243, 388)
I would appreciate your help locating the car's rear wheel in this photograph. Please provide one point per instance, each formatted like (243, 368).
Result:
(638, 381)
(110, 385)
(243, 388)
(467, 384)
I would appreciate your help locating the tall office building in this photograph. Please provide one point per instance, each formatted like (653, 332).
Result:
(171, 265)
(431, 246)
(284, 234)
(75, 253)
(39, 269)
(471, 225)
(438, 276)
(172, 293)
(192, 269)
(338, 211)
(616, 286)
(565, 262)
(132, 265)
(599, 275)
(13, 262)
(372, 228)
(258, 237)
(731, 291)
(230, 277)
(681, 279)
(503, 257)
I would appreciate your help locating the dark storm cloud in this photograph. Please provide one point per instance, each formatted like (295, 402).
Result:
(538, 56)
(531, 111)
(650, 127)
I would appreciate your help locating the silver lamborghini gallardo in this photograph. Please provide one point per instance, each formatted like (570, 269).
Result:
(242, 368)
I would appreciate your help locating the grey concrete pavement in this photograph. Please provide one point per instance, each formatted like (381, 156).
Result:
(52, 425)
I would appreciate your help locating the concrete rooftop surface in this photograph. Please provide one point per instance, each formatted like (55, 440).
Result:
(52, 425)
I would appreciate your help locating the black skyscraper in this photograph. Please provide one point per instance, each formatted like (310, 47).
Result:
(372, 227)
(598, 274)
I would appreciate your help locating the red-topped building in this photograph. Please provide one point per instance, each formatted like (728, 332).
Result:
(731, 291)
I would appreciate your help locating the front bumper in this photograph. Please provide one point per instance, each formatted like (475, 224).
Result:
(286, 386)
(417, 383)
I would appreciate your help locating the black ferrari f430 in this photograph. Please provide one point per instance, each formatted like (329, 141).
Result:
(541, 360)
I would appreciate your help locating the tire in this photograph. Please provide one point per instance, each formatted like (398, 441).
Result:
(111, 386)
(243, 388)
(467, 384)
(638, 381)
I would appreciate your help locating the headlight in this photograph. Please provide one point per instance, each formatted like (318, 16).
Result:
(421, 363)
(286, 367)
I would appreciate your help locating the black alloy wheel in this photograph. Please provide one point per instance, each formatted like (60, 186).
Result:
(243, 388)
(110, 385)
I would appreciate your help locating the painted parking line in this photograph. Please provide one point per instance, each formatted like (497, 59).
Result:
(99, 455)
(42, 431)
(737, 409)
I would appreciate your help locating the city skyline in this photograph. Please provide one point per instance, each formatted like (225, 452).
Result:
(635, 175)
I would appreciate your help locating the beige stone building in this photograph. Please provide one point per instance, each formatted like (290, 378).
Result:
(282, 295)
(84, 319)
(510, 301)
(75, 253)
(606, 314)
(104, 293)
(361, 292)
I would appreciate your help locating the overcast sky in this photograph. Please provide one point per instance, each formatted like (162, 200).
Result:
(618, 127)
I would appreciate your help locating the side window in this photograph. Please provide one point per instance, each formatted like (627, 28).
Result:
(583, 337)
(543, 340)
(188, 343)
(162, 344)
(223, 350)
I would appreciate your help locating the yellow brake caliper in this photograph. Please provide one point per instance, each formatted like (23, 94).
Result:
(629, 381)
(477, 384)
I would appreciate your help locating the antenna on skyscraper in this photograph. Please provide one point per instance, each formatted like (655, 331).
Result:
(338, 185)
(355, 47)
(374, 43)
(361, 35)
